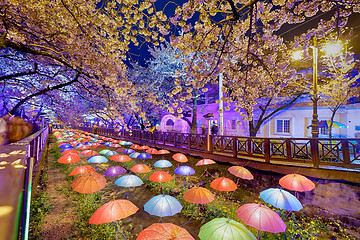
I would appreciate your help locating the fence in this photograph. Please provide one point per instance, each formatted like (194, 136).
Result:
(317, 152)
(18, 163)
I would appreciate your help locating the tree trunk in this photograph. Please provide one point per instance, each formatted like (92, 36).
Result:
(331, 123)
(193, 128)
(252, 130)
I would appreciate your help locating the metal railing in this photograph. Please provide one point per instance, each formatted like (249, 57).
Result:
(317, 152)
(19, 161)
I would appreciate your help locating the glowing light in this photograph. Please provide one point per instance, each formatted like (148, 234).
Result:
(332, 49)
(297, 55)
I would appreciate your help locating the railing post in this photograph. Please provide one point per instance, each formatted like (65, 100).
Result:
(221, 139)
(345, 151)
(234, 146)
(288, 149)
(267, 150)
(314, 145)
(249, 146)
(189, 141)
(175, 139)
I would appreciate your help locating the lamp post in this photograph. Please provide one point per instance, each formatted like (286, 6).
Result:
(221, 106)
(315, 98)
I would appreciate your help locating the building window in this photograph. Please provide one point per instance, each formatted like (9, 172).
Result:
(233, 124)
(324, 131)
(282, 126)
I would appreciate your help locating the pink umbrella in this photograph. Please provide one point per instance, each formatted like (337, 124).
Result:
(205, 162)
(296, 182)
(261, 217)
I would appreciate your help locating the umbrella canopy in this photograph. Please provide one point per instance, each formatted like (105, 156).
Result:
(198, 195)
(103, 152)
(160, 176)
(179, 157)
(164, 231)
(63, 152)
(134, 155)
(163, 151)
(66, 146)
(135, 146)
(129, 181)
(261, 217)
(140, 168)
(223, 184)
(84, 147)
(115, 145)
(144, 156)
(162, 163)
(120, 158)
(110, 153)
(144, 147)
(163, 206)
(120, 150)
(82, 170)
(296, 182)
(89, 153)
(184, 170)
(112, 211)
(89, 182)
(281, 199)
(114, 171)
(205, 162)
(224, 228)
(241, 172)
(128, 151)
(326, 124)
(69, 158)
(97, 159)
(151, 151)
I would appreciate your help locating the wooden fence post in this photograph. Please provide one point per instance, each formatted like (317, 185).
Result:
(345, 151)
(234, 146)
(314, 145)
(267, 150)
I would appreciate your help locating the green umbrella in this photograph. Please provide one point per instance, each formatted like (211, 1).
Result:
(224, 228)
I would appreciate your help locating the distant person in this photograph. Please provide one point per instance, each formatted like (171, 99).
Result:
(203, 129)
(214, 129)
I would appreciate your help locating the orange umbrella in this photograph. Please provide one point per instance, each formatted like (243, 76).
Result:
(135, 146)
(89, 182)
(223, 184)
(120, 158)
(160, 176)
(69, 158)
(151, 151)
(112, 211)
(205, 162)
(179, 157)
(164, 231)
(82, 170)
(163, 151)
(296, 182)
(198, 195)
(240, 172)
(89, 153)
(144, 147)
(140, 168)
(69, 151)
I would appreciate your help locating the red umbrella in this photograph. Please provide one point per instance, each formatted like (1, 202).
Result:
(120, 158)
(160, 176)
(179, 157)
(69, 151)
(112, 211)
(151, 151)
(69, 158)
(223, 184)
(135, 146)
(84, 147)
(198, 195)
(89, 182)
(144, 147)
(163, 151)
(89, 153)
(261, 217)
(82, 170)
(164, 231)
(296, 182)
(140, 168)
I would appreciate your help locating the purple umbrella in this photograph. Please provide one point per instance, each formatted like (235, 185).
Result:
(144, 156)
(184, 170)
(120, 150)
(114, 171)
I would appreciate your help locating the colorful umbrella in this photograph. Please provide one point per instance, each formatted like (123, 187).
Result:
(89, 182)
(162, 163)
(296, 182)
(163, 151)
(164, 231)
(129, 181)
(326, 124)
(112, 211)
(69, 158)
(225, 228)
(241, 172)
(89, 153)
(205, 162)
(198, 195)
(134, 146)
(120, 158)
(68, 151)
(134, 155)
(281, 199)
(144, 147)
(160, 176)
(66, 146)
(151, 151)
(184, 170)
(261, 217)
(144, 156)
(128, 151)
(179, 157)
(120, 150)
(97, 159)
(110, 153)
(223, 184)
(115, 145)
(103, 152)
(84, 147)
(82, 170)
(115, 171)
(140, 168)
(163, 206)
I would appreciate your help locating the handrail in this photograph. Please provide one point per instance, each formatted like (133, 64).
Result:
(315, 152)
(19, 161)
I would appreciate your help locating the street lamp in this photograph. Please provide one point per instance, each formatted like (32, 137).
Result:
(331, 49)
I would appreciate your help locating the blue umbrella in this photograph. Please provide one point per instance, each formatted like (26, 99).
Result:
(184, 170)
(163, 206)
(128, 143)
(129, 181)
(134, 155)
(108, 144)
(281, 199)
(97, 159)
(162, 163)
(144, 156)
(66, 146)
(128, 150)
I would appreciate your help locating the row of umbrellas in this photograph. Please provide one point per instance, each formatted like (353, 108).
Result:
(165, 205)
